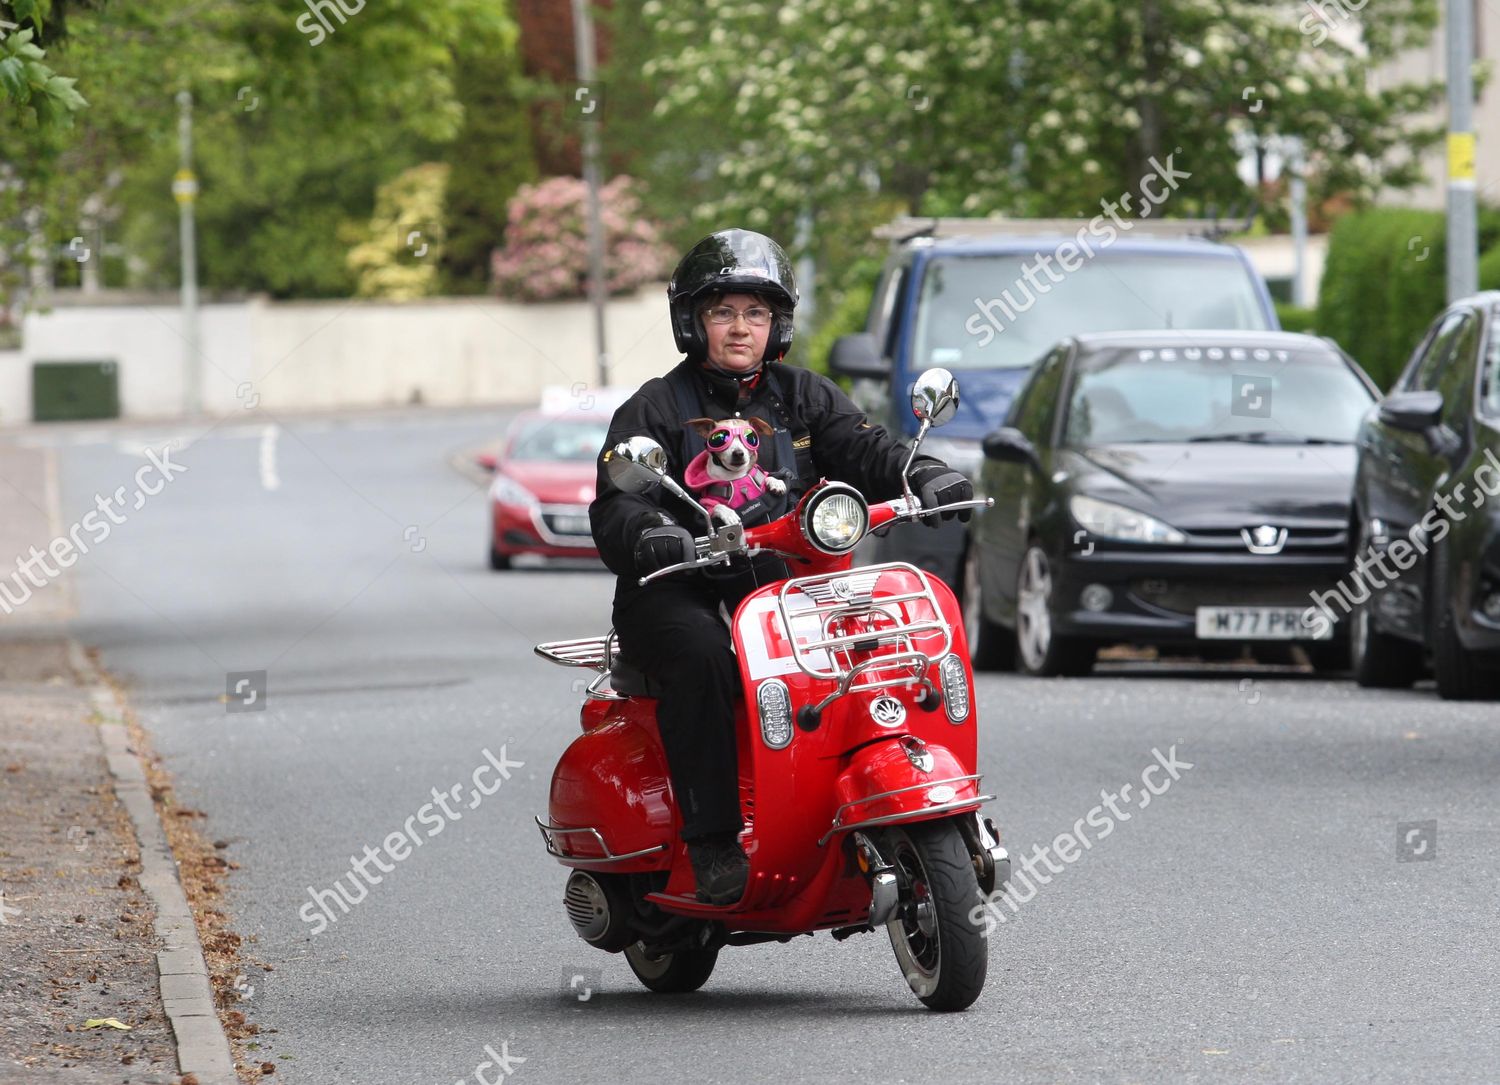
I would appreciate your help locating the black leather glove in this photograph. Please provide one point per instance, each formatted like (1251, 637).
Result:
(662, 546)
(937, 484)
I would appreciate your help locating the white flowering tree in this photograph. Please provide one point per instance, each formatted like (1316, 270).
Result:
(774, 107)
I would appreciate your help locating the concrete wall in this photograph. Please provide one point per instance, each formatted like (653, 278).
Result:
(327, 355)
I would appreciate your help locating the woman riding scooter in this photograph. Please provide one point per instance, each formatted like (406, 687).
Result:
(731, 301)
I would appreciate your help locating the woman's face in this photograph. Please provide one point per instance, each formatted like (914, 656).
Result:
(736, 346)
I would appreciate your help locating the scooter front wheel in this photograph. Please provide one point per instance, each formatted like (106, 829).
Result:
(672, 973)
(942, 951)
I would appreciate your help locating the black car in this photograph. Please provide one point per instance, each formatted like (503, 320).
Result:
(1166, 488)
(1427, 561)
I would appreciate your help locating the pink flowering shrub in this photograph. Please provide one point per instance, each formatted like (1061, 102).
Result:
(546, 253)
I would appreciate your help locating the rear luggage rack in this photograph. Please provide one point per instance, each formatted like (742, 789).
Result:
(594, 653)
(597, 653)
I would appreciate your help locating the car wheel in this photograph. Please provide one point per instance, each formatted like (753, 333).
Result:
(1328, 657)
(1039, 650)
(1379, 660)
(992, 647)
(498, 561)
(1462, 674)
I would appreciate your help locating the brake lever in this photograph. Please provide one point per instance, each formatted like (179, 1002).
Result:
(701, 563)
(921, 513)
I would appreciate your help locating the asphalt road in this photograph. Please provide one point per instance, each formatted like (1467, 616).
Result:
(1255, 923)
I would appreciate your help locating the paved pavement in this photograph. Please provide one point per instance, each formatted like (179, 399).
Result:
(1255, 922)
(75, 939)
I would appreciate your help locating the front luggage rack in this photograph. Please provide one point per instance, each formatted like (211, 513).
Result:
(894, 623)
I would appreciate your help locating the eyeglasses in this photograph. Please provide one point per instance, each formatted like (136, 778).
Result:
(756, 317)
(719, 439)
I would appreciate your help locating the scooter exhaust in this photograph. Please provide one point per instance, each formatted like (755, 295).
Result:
(599, 911)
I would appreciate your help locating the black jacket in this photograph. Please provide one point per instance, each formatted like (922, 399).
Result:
(831, 437)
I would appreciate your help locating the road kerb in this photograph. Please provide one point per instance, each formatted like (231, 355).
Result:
(202, 1047)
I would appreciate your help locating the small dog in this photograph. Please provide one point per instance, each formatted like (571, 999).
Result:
(725, 476)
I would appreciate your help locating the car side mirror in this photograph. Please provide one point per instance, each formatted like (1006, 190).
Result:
(487, 461)
(1415, 412)
(857, 356)
(1009, 445)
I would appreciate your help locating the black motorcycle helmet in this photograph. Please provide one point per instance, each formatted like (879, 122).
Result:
(730, 262)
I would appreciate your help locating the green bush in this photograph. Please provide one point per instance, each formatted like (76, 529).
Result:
(846, 317)
(1386, 279)
(1489, 270)
(1294, 318)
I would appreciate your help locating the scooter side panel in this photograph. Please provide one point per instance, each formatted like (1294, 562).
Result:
(613, 778)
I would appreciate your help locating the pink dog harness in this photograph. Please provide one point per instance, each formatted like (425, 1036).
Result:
(735, 493)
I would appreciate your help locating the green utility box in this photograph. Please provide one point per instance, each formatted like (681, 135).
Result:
(74, 391)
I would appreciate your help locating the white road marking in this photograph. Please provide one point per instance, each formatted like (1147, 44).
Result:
(269, 479)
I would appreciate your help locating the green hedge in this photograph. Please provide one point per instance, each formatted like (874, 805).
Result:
(1294, 318)
(847, 316)
(1386, 279)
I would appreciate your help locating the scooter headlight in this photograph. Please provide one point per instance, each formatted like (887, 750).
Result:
(836, 518)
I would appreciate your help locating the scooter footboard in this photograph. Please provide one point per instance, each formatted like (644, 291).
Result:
(903, 780)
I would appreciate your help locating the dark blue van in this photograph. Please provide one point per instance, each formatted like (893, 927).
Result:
(987, 306)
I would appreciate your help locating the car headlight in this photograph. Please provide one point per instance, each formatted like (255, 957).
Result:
(836, 518)
(1111, 521)
(507, 491)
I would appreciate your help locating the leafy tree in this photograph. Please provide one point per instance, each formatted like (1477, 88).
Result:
(767, 109)
(402, 246)
(30, 91)
(491, 158)
(296, 126)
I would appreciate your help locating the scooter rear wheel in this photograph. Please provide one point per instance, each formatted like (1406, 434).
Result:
(942, 951)
(672, 973)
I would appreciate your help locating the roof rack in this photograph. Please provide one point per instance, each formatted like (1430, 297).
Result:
(906, 228)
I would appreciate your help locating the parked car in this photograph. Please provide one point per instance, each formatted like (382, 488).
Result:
(1166, 488)
(943, 301)
(1429, 461)
(544, 482)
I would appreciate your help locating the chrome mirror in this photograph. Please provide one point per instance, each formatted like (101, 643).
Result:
(636, 464)
(934, 397)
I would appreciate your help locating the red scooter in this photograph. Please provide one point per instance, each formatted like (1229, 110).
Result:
(857, 749)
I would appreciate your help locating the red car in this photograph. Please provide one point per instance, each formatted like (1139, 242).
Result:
(544, 481)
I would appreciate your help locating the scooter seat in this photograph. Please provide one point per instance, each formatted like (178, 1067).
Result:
(627, 679)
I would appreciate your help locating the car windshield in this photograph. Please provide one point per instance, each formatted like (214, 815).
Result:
(984, 312)
(1208, 393)
(558, 440)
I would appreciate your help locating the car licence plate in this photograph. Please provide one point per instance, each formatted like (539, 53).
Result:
(1259, 623)
(570, 525)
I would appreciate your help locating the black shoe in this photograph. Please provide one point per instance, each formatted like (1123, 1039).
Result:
(721, 869)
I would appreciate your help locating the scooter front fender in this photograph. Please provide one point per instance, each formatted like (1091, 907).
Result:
(903, 780)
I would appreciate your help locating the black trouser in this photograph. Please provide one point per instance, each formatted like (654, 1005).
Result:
(674, 633)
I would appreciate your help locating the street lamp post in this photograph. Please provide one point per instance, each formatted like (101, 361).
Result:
(185, 191)
(1463, 242)
(583, 41)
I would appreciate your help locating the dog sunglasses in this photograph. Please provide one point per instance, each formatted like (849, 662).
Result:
(719, 439)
